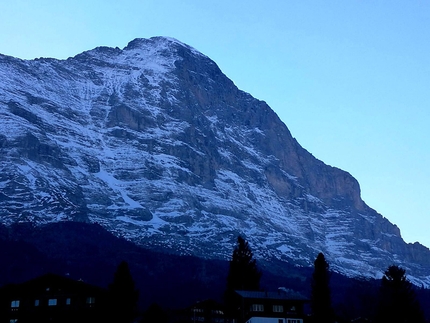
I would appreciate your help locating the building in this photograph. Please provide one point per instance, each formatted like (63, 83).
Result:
(283, 306)
(207, 311)
(52, 298)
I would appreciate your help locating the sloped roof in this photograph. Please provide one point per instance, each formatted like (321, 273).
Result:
(52, 283)
(281, 294)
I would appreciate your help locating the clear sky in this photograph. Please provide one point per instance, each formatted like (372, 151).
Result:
(350, 78)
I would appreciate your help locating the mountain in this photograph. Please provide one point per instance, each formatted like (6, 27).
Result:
(88, 252)
(84, 251)
(155, 144)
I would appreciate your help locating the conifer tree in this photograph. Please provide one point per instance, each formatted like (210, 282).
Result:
(243, 273)
(123, 295)
(322, 311)
(397, 299)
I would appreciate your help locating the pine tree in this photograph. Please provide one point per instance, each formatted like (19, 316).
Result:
(322, 311)
(123, 295)
(397, 299)
(243, 274)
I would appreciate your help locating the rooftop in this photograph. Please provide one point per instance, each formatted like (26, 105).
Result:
(282, 293)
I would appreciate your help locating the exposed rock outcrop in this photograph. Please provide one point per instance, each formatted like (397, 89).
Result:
(156, 144)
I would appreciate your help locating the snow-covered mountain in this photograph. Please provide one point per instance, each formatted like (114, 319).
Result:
(157, 145)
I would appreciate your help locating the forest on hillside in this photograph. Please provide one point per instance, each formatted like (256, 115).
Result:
(88, 252)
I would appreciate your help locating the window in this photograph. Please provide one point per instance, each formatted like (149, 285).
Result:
(36, 302)
(14, 304)
(52, 302)
(91, 301)
(68, 301)
(280, 320)
(257, 308)
(278, 308)
(294, 321)
(219, 312)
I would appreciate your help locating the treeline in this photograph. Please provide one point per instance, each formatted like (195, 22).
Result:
(89, 252)
(396, 300)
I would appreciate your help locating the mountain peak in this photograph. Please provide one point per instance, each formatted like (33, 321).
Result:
(153, 41)
(157, 145)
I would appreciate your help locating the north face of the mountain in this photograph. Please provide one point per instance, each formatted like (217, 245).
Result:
(157, 145)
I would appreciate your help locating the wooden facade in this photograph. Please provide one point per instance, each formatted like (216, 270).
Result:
(52, 298)
(282, 306)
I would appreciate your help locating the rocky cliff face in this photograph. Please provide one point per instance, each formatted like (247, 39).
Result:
(157, 145)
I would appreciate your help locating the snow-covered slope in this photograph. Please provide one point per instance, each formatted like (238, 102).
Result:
(157, 145)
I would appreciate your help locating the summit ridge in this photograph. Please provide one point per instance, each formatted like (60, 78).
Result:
(157, 145)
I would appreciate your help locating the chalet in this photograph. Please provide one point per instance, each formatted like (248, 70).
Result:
(282, 306)
(52, 298)
(207, 311)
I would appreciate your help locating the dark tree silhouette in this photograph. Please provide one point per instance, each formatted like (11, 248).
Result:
(397, 299)
(123, 295)
(243, 274)
(322, 311)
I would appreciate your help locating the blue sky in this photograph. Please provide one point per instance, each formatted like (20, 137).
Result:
(349, 78)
